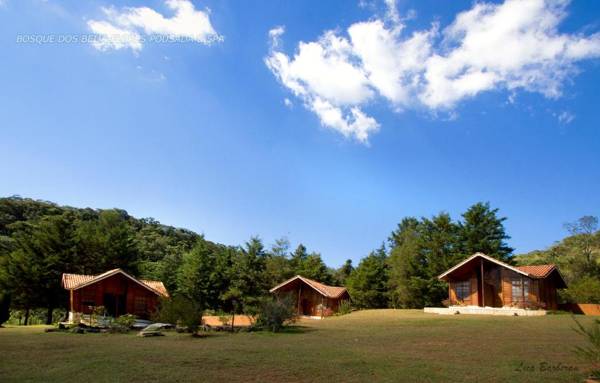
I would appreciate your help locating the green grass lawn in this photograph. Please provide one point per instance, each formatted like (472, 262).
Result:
(374, 345)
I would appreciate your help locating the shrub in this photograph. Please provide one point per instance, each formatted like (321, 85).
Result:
(224, 319)
(181, 311)
(591, 352)
(126, 320)
(273, 314)
(345, 307)
(584, 290)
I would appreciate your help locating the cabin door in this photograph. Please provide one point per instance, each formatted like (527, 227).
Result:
(114, 304)
(306, 307)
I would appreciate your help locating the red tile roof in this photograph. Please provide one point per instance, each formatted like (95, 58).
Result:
(328, 291)
(77, 281)
(537, 271)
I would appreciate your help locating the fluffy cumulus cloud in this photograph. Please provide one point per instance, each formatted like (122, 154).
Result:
(512, 46)
(124, 28)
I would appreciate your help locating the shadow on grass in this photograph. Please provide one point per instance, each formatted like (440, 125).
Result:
(296, 329)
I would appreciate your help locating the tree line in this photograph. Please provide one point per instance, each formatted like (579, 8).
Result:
(40, 240)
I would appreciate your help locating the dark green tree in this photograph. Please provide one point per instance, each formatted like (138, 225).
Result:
(107, 243)
(367, 284)
(483, 231)
(197, 278)
(248, 274)
(407, 265)
(298, 258)
(310, 265)
(32, 272)
(343, 272)
(439, 240)
(278, 266)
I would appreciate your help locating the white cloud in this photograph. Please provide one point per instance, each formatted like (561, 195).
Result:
(351, 124)
(287, 102)
(511, 46)
(565, 117)
(275, 36)
(127, 25)
(113, 37)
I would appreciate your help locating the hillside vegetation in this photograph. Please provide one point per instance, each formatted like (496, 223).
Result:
(40, 240)
(578, 258)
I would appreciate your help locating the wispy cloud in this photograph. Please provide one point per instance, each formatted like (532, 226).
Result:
(565, 117)
(511, 46)
(126, 27)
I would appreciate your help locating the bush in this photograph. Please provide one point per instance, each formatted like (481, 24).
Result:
(180, 311)
(345, 307)
(273, 314)
(584, 290)
(225, 319)
(126, 320)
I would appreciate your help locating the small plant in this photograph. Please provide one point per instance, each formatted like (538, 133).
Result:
(181, 311)
(590, 352)
(459, 302)
(126, 320)
(345, 307)
(97, 313)
(534, 305)
(224, 319)
(273, 314)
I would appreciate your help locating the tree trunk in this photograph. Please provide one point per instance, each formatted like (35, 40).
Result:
(232, 319)
(26, 316)
(49, 315)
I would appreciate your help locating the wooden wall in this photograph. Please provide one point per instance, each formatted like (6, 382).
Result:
(473, 298)
(542, 292)
(310, 302)
(137, 299)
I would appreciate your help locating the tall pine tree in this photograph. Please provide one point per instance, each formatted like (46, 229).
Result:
(483, 231)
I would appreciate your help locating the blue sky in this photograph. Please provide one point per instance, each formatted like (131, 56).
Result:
(199, 134)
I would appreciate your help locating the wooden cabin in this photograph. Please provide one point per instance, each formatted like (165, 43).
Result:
(118, 292)
(484, 281)
(312, 298)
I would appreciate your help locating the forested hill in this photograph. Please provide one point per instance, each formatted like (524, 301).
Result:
(577, 257)
(98, 239)
(40, 240)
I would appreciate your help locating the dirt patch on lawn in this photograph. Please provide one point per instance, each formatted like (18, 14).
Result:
(239, 321)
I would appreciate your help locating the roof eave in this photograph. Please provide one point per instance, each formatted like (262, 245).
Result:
(110, 274)
(308, 282)
(484, 256)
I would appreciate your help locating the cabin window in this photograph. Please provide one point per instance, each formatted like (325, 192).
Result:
(520, 290)
(88, 296)
(463, 289)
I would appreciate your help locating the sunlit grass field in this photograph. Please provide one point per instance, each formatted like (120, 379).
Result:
(372, 345)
